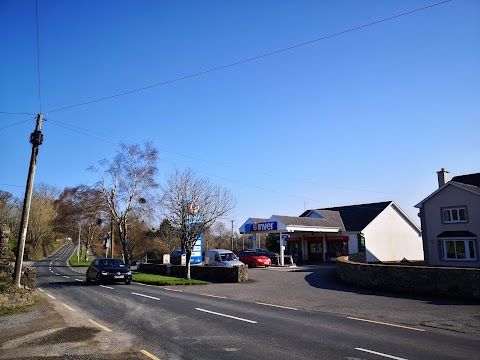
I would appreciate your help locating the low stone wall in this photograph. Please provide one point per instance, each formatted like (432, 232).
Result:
(17, 299)
(206, 273)
(360, 257)
(424, 280)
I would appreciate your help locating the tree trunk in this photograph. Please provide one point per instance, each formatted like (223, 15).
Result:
(187, 258)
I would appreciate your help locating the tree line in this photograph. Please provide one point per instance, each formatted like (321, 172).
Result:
(147, 219)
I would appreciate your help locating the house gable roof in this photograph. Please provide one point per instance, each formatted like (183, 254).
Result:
(469, 179)
(470, 182)
(356, 217)
(330, 219)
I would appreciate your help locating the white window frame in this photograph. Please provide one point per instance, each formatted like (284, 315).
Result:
(452, 211)
(466, 241)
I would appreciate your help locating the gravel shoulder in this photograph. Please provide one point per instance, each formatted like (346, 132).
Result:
(51, 331)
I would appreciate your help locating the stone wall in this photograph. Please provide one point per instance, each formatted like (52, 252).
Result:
(206, 273)
(359, 257)
(17, 299)
(424, 280)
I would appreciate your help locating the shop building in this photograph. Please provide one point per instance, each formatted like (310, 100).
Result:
(381, 230)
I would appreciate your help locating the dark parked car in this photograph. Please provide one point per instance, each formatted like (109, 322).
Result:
(112, 270)
(252, 259)
(176, 257)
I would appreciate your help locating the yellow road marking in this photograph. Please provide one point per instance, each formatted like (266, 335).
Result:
(100, 326)
(40, 289)
(215, 296)
(68, 307)
(172, 290)
(383, 323)
(279, 306)
(51, 296)
(151, 356)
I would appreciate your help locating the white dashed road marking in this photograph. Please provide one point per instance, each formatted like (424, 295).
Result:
(227, 316)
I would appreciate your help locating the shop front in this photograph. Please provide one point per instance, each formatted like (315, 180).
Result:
(303, 238)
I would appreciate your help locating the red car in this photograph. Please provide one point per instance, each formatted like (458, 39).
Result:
(252, 259)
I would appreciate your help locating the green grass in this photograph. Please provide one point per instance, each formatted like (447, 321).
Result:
(74, 259)
(164, 280)
(5, 288)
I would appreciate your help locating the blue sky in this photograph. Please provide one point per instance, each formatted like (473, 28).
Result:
(366, 116)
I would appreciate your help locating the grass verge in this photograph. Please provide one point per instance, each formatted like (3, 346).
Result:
(161, 280)
(74, 259)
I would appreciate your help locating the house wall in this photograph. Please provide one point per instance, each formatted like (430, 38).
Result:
(352, 243)
(450, 196)
(391, 237)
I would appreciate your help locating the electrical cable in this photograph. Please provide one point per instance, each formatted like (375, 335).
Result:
(71, 127)
(38, 59)
(250, 59)
(17, 123)
(16, 113)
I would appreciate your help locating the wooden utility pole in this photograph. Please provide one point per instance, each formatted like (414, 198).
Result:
(112, 228)
(36, 139)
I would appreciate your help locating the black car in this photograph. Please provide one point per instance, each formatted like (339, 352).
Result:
(104, 269)
(176, 257)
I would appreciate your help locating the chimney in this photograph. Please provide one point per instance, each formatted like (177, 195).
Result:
(443, 177)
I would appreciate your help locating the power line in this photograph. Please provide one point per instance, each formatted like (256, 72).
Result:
(258, 57)
(71, 127)
(17, 123)
(16, 113)
(38, 59)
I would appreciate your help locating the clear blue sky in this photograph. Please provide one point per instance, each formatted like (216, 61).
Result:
(366, 116)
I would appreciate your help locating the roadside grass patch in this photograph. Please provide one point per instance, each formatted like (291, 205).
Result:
(161, 280)
(74, 259)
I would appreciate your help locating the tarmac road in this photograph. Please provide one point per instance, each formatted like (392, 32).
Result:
(168, 323)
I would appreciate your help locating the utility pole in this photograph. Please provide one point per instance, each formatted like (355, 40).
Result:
(111, 234)
(79, 248)
(36, 139)
(232, 235)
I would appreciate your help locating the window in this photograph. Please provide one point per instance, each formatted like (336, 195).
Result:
(454, 215)
(454, 249)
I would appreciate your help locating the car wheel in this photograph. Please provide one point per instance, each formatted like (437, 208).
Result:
(88, 281)
(253, 264)
(128, 282)
(98, 280)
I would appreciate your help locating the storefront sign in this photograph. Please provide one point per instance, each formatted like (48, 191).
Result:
(263, 226)
(337, 238)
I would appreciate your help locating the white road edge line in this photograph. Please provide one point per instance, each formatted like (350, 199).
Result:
(66, 277)
(106, 287)
(380, 354)
(146, 296)
(78, 280)
(228, 316)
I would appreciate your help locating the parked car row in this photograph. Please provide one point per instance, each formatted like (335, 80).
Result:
(222, 257)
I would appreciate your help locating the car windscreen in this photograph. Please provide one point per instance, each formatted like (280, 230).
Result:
(228, 257)
(111, 263)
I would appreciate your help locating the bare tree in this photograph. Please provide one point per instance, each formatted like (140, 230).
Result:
(10, 211)
(125, 183)
(42, 216)
(211, 203)
(81, 207)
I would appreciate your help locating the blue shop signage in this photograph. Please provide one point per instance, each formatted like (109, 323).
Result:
(263, 226)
